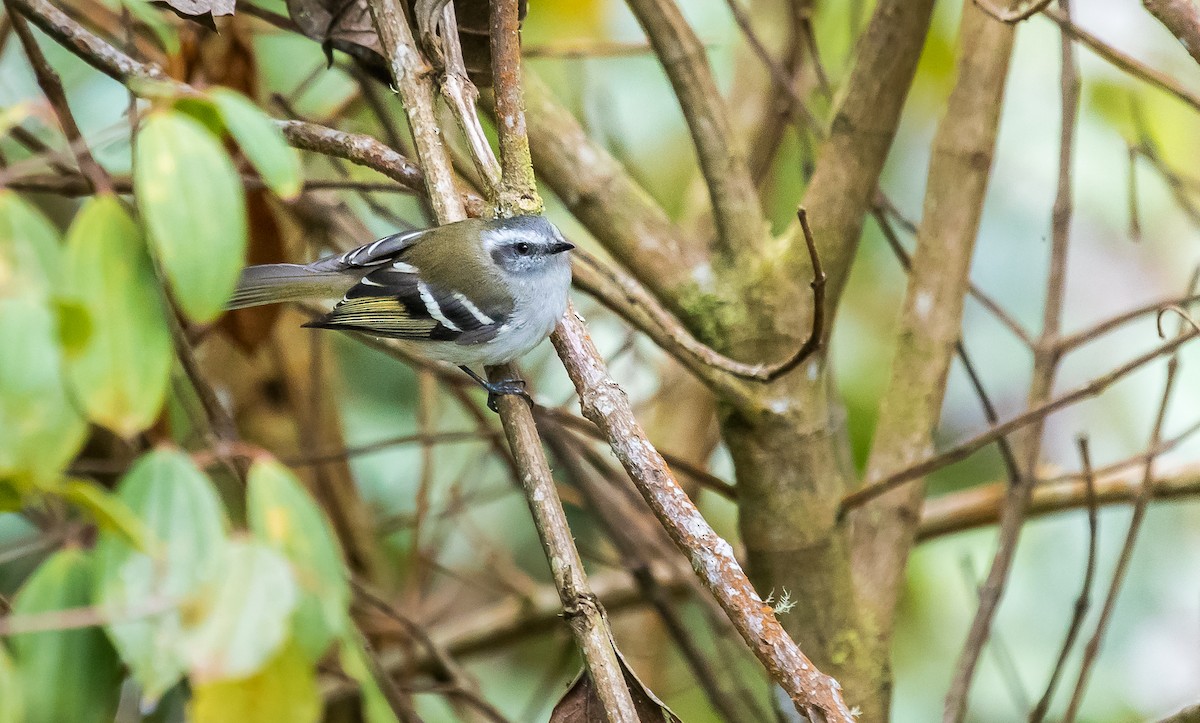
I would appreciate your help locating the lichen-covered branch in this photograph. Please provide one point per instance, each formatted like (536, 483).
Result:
(605, 404)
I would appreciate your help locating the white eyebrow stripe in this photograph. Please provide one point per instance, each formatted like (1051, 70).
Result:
(469, 305)
(369, 282)
(432, 307)
(404, 267)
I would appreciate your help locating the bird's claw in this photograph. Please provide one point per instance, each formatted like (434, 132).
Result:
(514, 387)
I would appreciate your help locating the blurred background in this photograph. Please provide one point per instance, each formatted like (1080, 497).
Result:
(476, 542)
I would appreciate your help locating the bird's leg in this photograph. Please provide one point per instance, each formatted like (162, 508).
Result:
(496, 389)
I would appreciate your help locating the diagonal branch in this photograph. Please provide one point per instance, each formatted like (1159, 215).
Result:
(965, 449)
(52, 87)
(740, 222)
(603, 402)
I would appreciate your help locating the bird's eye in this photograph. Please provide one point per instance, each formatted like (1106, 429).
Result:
(523, 248)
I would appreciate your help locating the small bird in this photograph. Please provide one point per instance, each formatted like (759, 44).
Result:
(480, 291)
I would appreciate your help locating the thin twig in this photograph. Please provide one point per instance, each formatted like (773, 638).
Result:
(967, 448)
(1081, 602)
(1046, 358)
(1013, 15)
(52, 88)
(1140, 504)
(1123, 61)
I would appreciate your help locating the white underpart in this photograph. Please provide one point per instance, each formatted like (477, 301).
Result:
(404, 267)
(432, 307)
(481, 317)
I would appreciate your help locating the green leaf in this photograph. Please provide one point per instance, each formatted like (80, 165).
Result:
(244, 617)
(285, 518)
(285, 689)
(353, 657)
(42, 430)
(11, 699)
(261, 142)
(109, 511)
(66, 675)
(183, 515)
(121, 374)
(192, 202)
(29, 248)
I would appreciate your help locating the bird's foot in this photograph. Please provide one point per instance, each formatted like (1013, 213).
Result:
(515, 387)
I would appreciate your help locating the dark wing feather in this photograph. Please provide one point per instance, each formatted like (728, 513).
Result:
(376, 253)
(394, 301)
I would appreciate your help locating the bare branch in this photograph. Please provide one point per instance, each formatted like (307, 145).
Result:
(931, 320)
(1081, 603)
(1141, 503)
(966, 449)
(603, 402)
(1182, 18)
(740, 222)
(52, 87)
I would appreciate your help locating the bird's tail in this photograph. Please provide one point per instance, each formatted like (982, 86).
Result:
(273, 283)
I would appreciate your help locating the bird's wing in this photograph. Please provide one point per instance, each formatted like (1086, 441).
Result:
(376, 253)
(394, 301)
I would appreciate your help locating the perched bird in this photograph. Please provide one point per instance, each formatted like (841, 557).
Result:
(473, 292)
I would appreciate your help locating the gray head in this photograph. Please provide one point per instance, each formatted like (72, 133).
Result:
(525, 245)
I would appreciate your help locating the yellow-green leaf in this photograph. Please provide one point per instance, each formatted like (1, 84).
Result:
(109, 511)
(285, 689)
(243, 618)
(71, 674)
(42, 430)
(192, 202)
(29, 249)
(353, 658)
(12, 703)
(180, 509)
(284, 517)
(262, 143)
(121, 373)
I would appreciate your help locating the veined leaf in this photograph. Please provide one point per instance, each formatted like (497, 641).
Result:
(192, 202)
(285, 518)
(182, 513)
(42, 430)
(121, 374)
(285, 689)
(71, 674)
(243, 619)
(261, 142)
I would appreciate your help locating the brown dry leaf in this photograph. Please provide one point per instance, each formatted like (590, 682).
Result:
(343, 25)
(200, 11)
(346, 25)
(580, 704)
